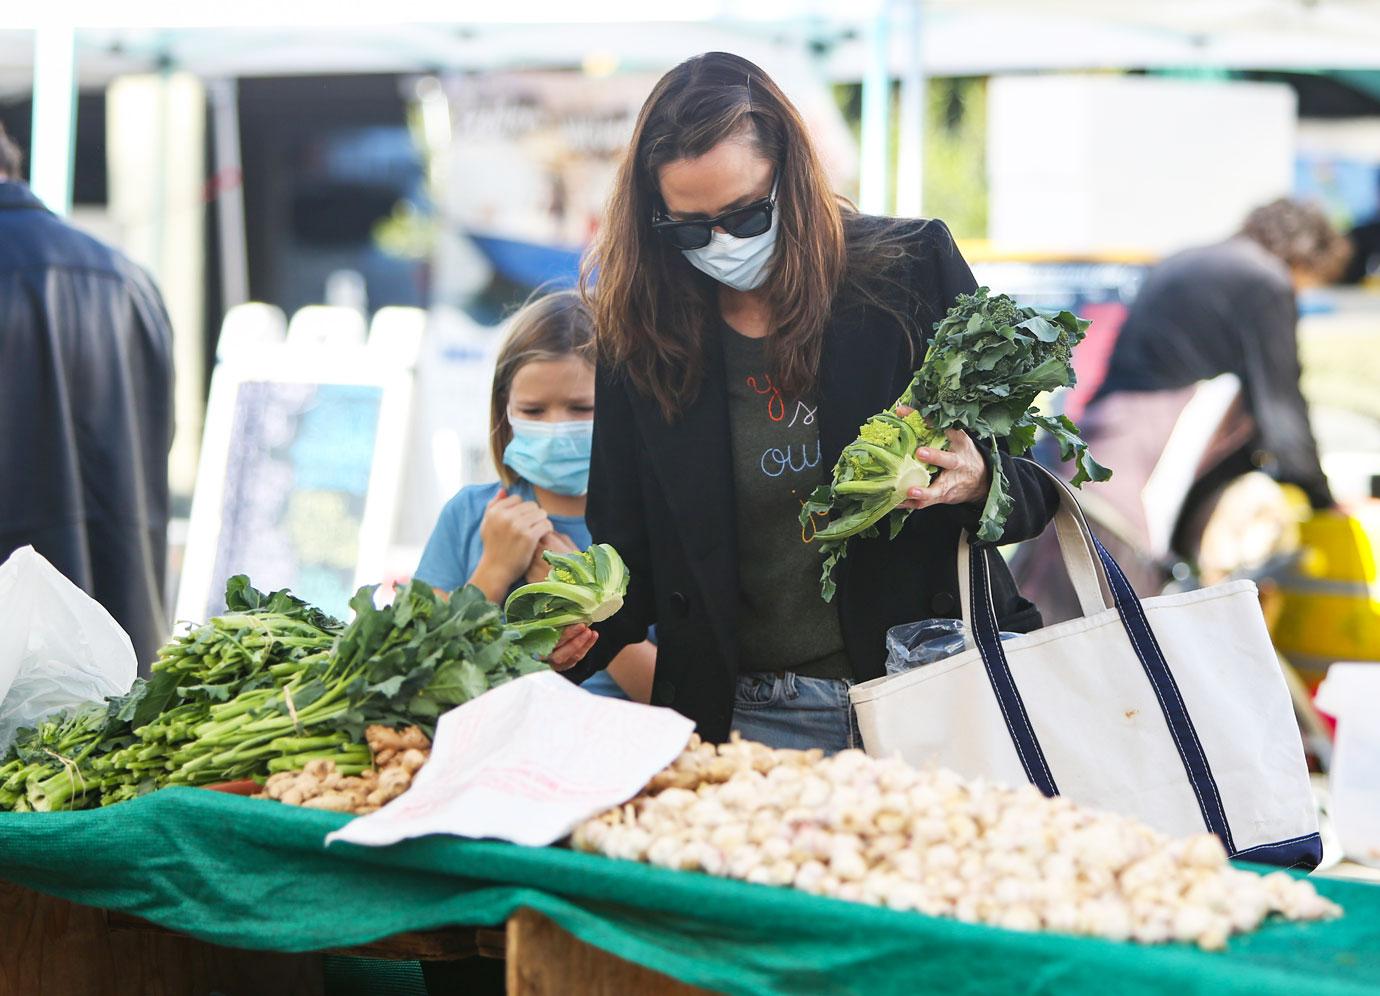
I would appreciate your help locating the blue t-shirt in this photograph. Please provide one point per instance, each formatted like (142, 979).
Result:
(452, 552)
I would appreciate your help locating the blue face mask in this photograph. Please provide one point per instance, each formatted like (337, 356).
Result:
(551, 455)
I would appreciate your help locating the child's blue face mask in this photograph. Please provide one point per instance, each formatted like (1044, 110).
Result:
(551, 455)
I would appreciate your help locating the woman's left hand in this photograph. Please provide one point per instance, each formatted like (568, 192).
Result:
(966, 475)
(575, 642)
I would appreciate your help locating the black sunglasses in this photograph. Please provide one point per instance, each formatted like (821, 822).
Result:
(741, 223)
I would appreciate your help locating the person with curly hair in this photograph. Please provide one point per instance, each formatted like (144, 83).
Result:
(1227, 308)
(1231, 308)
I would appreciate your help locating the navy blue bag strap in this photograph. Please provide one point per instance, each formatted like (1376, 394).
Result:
(988, 637)
(1181, 728)
(986, 634)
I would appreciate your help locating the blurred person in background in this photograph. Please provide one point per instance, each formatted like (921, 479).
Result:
(86, 410)
(1364, 266)
(1227, 308)
(1231, 308)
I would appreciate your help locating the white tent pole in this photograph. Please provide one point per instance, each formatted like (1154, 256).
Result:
(910, 157)
(876, 116)
(53, 146)
(229, 192)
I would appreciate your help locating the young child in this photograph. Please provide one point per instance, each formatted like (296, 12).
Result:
(540, 421)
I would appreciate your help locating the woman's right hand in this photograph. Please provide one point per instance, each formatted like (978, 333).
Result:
(510, 532)
(575, 642)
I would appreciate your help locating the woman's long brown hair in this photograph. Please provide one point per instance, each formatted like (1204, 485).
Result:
(652, 310)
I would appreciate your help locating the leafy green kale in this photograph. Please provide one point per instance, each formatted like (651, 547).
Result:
(988, 361)
(581, 588)
(420, 656)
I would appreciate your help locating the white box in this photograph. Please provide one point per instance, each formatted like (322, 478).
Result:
(1351, 694)
(1104, 163)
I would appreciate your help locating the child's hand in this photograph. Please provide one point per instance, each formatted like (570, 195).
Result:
(538, 568)
(511, 530)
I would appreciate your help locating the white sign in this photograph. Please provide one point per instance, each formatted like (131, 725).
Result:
(527, 763)
(301, 467)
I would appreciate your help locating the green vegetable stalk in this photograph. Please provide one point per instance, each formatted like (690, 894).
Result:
(270, 686)
(46, 768)
(581, 588)
(404, 663)
(988, 361)
(877, 471)
(123, 748)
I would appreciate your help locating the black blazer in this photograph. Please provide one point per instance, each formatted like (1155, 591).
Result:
(662, 494)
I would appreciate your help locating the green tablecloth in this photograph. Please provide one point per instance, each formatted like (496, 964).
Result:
(255, 874)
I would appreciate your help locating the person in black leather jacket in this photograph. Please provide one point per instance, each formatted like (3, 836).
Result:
(86, 410)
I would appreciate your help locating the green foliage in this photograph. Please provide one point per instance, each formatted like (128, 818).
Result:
(955, 150)
(582, 588)
(955, 182)
(987, 362)
(873, 475)
(269, 686)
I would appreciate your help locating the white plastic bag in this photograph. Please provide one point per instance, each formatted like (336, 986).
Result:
(58, 646)
(912, 645)
(1351, 694)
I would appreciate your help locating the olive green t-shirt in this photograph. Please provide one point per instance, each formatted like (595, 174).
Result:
(783, 623)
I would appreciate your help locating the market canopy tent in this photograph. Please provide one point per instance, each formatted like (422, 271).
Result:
(960, 37)
(873, 41)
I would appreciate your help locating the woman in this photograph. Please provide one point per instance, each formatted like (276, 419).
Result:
(747, 325)
(493, 535)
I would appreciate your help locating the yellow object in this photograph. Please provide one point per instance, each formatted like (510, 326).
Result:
(1332, 597)
(985, 251)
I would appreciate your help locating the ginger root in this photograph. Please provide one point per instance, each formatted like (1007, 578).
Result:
(398, 755)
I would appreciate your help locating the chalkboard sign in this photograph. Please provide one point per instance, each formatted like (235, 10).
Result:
(298, 480)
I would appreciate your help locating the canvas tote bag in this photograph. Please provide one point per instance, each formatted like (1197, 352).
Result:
(1172, 709)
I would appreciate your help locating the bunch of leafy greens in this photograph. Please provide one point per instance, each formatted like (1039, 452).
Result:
(988, 361)
(267, 687)
(206, 686)
(47, 766)
(581, 588)
(424, 654)
(120, 748)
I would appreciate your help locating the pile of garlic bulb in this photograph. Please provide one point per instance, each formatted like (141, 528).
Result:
(882, 832)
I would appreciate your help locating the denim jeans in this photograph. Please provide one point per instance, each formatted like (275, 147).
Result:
(782, 709)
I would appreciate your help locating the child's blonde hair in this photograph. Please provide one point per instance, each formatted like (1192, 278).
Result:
(551, 327)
